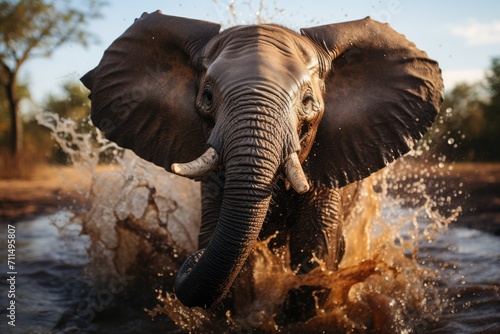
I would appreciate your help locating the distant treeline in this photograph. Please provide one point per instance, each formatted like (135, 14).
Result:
(468, 125)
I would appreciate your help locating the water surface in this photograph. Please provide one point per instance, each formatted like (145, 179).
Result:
(54, 294)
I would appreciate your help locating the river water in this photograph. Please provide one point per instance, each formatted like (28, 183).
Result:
(409, 266)
(407, 269)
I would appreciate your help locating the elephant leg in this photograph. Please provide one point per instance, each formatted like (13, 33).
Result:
(317, 232)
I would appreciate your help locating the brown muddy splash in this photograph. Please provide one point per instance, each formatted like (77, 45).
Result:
(144, 221)
(380, 286)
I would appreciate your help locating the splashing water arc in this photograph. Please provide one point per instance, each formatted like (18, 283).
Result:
(139, 221)
(144, 220)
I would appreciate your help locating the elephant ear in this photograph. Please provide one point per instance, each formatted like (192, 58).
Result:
(381, 95)
(143, 90)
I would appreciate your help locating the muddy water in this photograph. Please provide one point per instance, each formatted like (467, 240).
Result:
(407, 269)
(447, 285)
(408, 266)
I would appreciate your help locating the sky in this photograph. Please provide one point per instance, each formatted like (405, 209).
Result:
(463, 36)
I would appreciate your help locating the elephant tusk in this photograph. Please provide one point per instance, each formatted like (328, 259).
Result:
(201, 166)
(295, 174)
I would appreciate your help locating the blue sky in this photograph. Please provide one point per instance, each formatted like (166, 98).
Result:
(462, 36)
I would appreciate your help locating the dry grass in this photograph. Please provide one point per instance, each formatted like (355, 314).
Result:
(23, 166)
(46, 189)
(49, 188)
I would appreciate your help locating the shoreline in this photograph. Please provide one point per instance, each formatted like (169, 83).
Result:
(54, 188)
(51, 189)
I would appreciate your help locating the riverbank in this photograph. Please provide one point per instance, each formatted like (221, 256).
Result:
(472, 187)
(480, 184)
(53, 188)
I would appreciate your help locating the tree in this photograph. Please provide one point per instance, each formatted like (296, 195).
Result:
(22, 93)
(33, 28)
(491, 137)
(468, 125)
(72, 104)
(493, 79)
(461, 122)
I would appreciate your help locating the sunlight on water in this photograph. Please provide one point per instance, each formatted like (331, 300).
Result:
(380, 285)
(144, 220)
(138, 210)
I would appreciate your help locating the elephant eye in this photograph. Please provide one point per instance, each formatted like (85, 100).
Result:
(207, 96)
(308, 103)
(206, 101)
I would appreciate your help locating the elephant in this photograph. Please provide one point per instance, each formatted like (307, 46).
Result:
(272, 122)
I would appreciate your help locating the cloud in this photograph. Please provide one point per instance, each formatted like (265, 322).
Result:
(453, 77)
(478, 33)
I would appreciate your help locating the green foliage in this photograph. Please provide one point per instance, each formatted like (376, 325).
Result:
(468, 125)
(39, 146)
(36, 28)
(73, 104)
(493, 78)
(490, 140)
(33, 28)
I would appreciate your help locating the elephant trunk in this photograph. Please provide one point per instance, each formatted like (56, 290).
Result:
(250, 168)
(207, 275)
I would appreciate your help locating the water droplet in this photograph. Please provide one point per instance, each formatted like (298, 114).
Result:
(451, 141)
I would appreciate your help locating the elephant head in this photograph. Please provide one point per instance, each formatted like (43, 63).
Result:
(324, 108)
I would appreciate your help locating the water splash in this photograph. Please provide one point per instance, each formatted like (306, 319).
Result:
(233, 12)
(381, 286)
(137, 210)
(83, 147)
(144, 220)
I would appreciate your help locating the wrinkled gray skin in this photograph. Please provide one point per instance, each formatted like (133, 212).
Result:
(348, 98)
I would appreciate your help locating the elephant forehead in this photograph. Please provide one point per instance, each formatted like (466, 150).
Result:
(257, 76)
(261, 44)
(258, 57)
